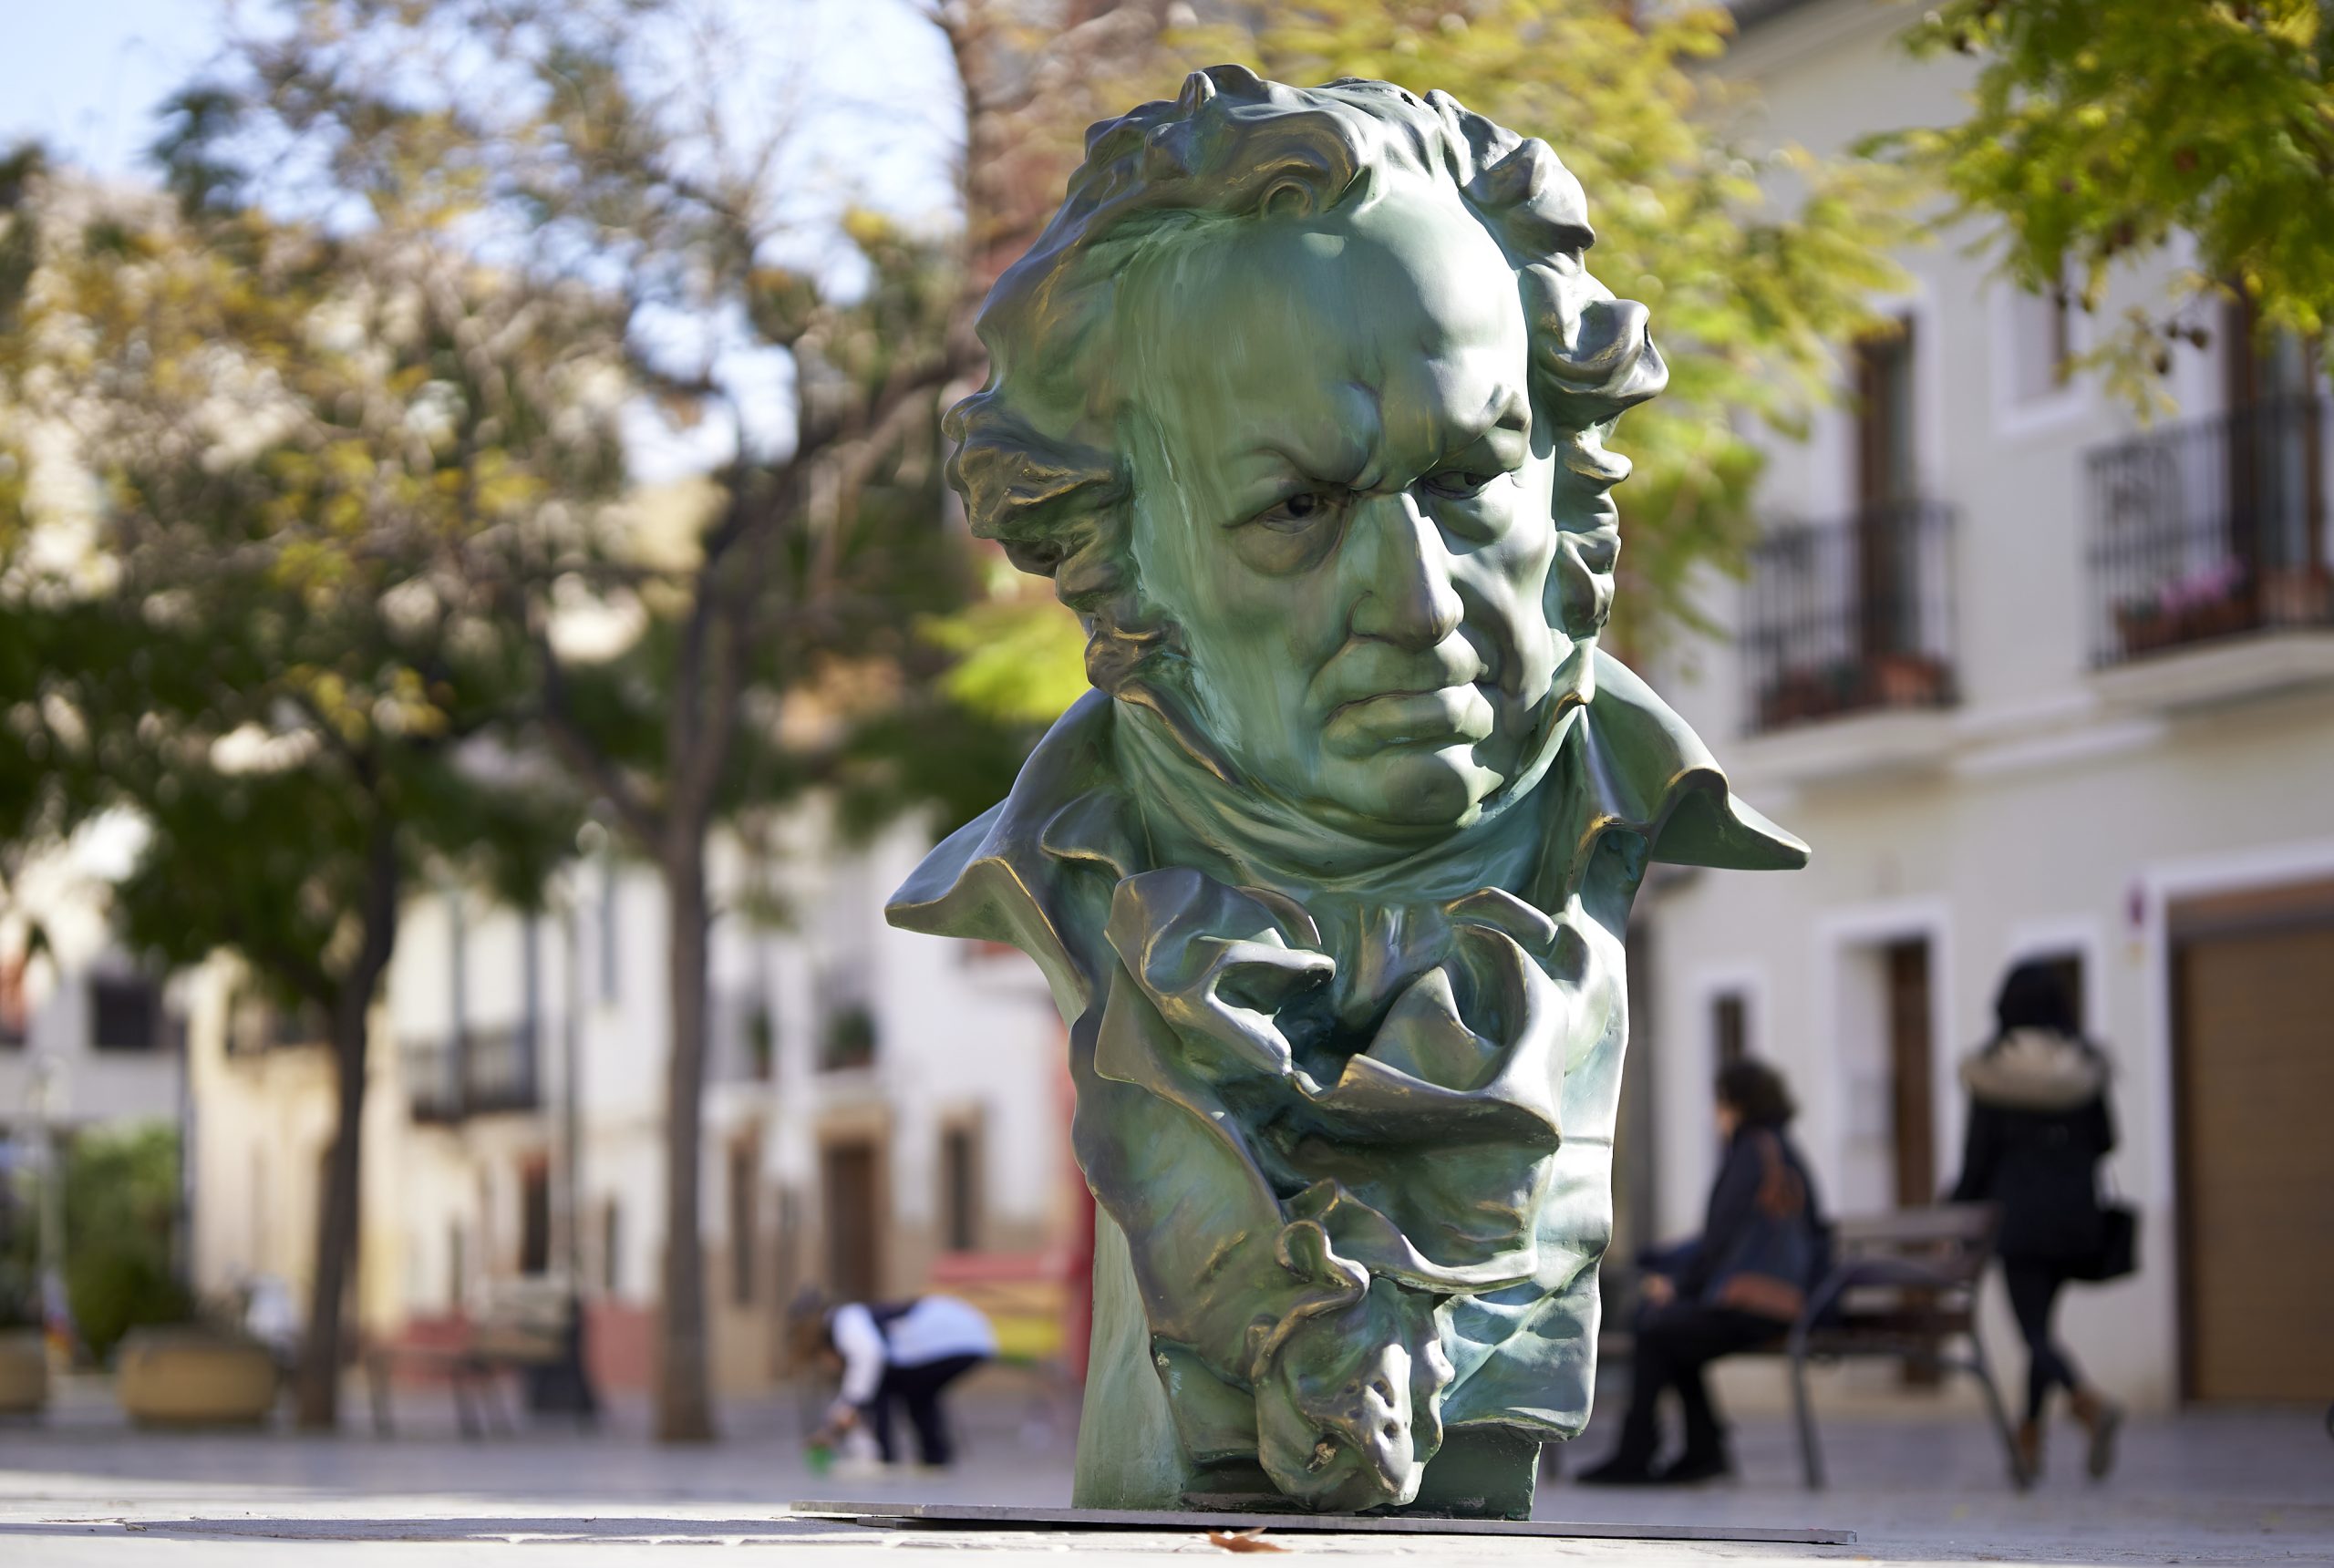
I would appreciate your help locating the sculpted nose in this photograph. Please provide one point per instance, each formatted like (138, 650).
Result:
(1407, 597)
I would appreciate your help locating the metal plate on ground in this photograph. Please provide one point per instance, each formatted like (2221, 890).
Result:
(983, 1516)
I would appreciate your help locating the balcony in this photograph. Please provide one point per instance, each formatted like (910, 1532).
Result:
(1849, 617)
(477, 1073)
(2203, 532)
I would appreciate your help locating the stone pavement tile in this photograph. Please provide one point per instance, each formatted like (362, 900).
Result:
(2248, 1487)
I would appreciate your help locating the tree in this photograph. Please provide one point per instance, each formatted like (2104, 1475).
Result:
(622, 146)
(244, 628)
(2100, 130)
(1755, 267)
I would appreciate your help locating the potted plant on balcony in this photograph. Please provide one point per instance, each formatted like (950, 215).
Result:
(2213, 602)
(849, 1039)
(1805, 692)
(1908, 680)
(2297, 595)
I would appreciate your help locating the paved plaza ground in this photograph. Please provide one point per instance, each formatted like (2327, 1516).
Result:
(1916, 1484)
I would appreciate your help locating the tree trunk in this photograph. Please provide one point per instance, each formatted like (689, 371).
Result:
(684, 1394)
(320, 1356)
(319, 1386)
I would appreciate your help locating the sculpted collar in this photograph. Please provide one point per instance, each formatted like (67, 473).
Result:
(1630, 764)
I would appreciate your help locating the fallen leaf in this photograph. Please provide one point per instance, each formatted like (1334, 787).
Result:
(1244, 1541)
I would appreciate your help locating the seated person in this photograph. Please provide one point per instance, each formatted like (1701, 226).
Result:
(904, 1351)
(1737, 1286)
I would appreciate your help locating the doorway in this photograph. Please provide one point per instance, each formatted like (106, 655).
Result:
(2251, 987)
(850, 1180)
(1887, 1054)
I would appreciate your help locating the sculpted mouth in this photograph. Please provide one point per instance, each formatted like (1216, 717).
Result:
(1436, 715)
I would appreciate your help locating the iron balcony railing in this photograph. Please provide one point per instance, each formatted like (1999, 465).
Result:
(1846, 616)
(2209, 529)
(477, 1073)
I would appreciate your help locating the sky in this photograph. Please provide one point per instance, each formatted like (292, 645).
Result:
(86, 77)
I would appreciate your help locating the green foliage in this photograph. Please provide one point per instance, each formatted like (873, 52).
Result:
(1022, 661)
(121, 1205)
(1753, 265)
(253, 605)
(19, 1255)
(262, 641)
(2101, 129)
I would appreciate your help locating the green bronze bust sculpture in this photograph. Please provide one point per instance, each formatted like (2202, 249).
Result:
(1301, 400)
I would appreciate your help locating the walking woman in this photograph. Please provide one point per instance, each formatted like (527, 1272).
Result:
(1735, 1286)
(2038, 1127)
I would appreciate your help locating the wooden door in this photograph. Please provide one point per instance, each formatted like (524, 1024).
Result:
(2276, 480)
(1912, 1105)
(2255, 1058)
(1885, 483)
(850, 1180)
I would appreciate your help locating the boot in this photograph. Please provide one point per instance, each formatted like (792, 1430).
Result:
(2028, 1438)
(1709, 1463)
(1623, 1468)
(2099, 1417)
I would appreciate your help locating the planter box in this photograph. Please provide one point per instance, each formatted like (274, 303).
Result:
(24, 1371)
(190, 1378)
(2297, 596)
(1909, 680)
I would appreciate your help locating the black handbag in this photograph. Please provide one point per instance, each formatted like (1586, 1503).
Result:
(2118, 1253)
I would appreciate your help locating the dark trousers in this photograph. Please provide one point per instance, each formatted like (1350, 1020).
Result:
(2034, 1287)
(918, 1388)
(1674, 1342)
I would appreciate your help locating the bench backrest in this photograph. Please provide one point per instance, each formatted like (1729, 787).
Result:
(1954, 1239)
(1946, 1248)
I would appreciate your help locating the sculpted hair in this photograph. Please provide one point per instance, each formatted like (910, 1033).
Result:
(1037, 461)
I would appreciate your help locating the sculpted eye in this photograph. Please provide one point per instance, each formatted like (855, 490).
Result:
(1459, 484)
(1300, 511)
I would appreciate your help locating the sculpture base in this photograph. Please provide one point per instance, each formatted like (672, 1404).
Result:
(1481, 1473)
(980, 1516)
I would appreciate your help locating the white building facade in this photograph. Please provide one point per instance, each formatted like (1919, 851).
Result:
(2036, 683)
(90, 1037)
(880, 1107)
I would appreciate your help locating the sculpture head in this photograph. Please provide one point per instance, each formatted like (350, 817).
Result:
(1301, 401)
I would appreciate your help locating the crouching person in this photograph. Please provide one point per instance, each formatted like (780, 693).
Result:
(904, 1353)
(1735, 1286)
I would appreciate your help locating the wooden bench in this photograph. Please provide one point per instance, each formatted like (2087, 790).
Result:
(527, 1330)
(1903, 1287)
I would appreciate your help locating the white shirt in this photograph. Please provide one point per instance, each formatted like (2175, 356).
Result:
(935, 1328)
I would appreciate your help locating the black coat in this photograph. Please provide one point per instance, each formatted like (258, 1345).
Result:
(1764, 1244)
(2043, 1168)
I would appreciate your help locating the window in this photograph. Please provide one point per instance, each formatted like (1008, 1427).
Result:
(849, 1039)
(745, 1220)
(608, 944)
(960, 1187)
(1729, 1027)
(534, 1216)
(125, 1014)
(2041, 344)
(16, 1013)
(1883, 368)
(611, 1247)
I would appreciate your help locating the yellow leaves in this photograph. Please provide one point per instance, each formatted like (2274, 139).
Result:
(1022, 660)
